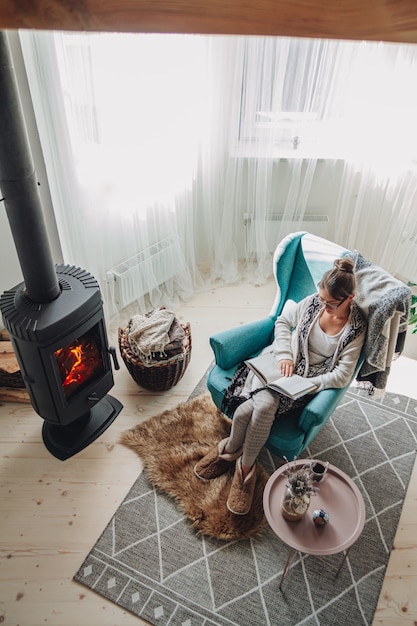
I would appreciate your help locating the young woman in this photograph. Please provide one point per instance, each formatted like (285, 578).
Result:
(321, 338)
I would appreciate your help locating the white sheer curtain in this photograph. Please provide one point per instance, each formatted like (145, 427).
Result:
(377, 201)
(222, 145)
(120, 119)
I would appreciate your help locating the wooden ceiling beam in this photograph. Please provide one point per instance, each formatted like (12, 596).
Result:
(385, 20)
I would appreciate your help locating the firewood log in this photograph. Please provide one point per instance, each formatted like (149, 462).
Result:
(8, 361)
(14, 395)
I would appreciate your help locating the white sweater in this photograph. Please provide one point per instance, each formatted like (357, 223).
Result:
(286, 345)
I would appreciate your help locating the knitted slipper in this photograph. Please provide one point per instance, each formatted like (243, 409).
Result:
(215, 463)
(241, 493)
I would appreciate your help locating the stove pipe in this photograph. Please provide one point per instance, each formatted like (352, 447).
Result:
(20, 191)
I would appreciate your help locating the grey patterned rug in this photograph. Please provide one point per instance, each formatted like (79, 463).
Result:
(149, 560)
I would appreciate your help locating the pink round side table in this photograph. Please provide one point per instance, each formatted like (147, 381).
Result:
(338, 496)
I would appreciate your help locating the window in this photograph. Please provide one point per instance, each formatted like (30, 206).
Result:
(328, 97)
(283, 89)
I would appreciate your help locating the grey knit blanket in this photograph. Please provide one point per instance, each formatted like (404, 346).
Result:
(155, 335)
(386, 303)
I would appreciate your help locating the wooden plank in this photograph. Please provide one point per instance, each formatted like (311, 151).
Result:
(10, 378)
(4, 335)
(8, 361)
(398, 602)
(7, 394)
(389, 20)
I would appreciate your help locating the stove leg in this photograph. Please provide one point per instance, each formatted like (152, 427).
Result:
(65, 441)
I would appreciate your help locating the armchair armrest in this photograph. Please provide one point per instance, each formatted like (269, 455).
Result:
(233, 346)
(320, 407)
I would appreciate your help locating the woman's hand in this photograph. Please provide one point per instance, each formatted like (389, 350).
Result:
(286, 367)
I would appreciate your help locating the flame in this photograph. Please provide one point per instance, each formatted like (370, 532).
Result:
(78, 362)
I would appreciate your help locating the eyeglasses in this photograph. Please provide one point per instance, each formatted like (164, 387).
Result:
(331, 306)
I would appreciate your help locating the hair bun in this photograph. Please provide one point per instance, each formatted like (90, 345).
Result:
(340, 281)
(344, 265)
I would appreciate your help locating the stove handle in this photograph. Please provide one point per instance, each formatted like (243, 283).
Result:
(112, 351)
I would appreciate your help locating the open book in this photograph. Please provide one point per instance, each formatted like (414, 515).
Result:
(265, 366)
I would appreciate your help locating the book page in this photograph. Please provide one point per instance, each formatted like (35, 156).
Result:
(293, 385)
(265, 367)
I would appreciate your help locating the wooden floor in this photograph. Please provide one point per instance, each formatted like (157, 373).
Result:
(52, 511)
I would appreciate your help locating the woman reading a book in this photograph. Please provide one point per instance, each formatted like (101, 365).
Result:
(320, 338)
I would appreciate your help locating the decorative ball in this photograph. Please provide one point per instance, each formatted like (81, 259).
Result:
(320, 517)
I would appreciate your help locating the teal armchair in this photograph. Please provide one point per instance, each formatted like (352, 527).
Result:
(299, 263)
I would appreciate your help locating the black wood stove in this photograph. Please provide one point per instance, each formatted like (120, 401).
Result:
(55, 316)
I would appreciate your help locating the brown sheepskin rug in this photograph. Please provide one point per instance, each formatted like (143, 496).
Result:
(170, 444)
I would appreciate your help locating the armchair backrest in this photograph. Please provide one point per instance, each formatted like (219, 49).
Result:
(300, 261)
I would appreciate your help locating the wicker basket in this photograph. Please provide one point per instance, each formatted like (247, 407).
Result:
(158, 376)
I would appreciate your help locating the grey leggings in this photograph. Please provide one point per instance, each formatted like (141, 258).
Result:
(252, 424)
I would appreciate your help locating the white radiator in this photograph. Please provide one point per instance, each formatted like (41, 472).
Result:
(145, 271)
(276, 227)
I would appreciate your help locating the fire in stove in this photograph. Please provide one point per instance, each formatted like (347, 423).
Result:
(79, 362)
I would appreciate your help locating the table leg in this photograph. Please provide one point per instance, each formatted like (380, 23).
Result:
(290, 558)
(342, 562)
